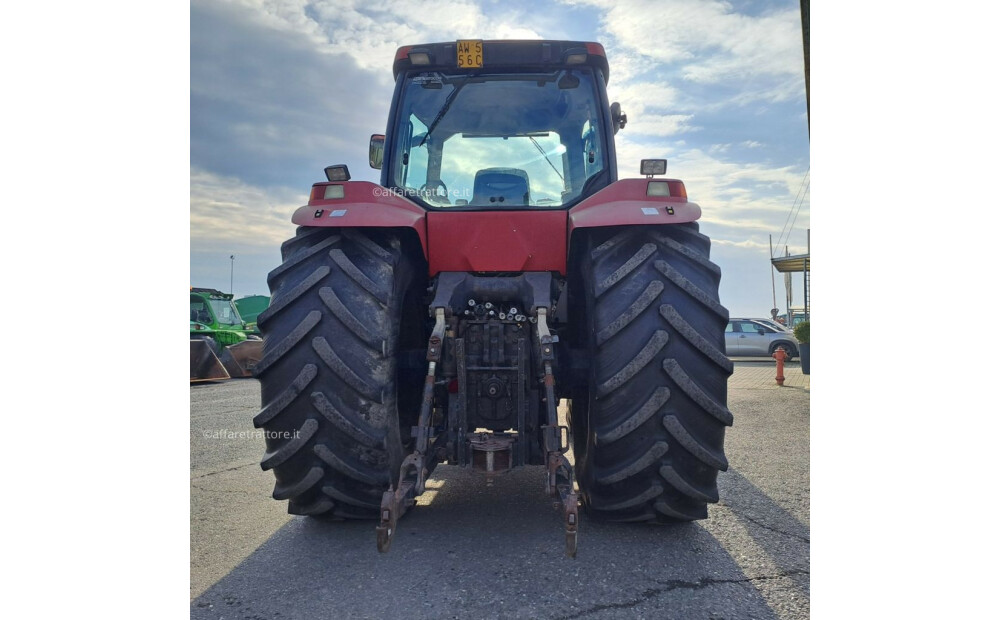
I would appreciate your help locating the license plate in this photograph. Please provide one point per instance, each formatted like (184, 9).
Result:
(470, 54)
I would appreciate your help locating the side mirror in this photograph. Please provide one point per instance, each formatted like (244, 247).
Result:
(375, 148)
(618, 118)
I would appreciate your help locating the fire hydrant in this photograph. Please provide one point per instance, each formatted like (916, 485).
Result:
(780, 356)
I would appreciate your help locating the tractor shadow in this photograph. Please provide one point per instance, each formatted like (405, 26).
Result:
(783, 538)
(473, 551)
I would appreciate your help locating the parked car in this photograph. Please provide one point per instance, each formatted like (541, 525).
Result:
(756, 337)
(774, 324)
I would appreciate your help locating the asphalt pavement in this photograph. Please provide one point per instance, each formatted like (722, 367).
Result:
(472, 551)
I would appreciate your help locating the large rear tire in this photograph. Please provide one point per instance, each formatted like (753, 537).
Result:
(655, 417)
(330, 383)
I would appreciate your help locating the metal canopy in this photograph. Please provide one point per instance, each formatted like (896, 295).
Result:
(791, 264)
(794, 264)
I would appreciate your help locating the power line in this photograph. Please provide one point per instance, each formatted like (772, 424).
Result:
(797, 209)
(793, 212)
(786, 230)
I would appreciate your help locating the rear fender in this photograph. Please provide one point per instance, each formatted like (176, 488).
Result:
(627, 202)
(360, 204)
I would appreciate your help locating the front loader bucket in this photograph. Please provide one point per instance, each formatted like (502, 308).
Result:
(205, 366)
(240, 359)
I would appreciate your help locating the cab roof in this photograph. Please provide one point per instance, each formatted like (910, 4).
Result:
(507, 55)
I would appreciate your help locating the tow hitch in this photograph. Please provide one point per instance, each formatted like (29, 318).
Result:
(415, 468)
(559, 482)
(492, 453)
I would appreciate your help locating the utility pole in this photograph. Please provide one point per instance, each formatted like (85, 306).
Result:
(232, 266)
(805, 274)
(788, 293)
(774, 294)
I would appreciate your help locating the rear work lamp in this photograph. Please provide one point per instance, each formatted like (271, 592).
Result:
(649, 167)
(337, 173)
(419, 57)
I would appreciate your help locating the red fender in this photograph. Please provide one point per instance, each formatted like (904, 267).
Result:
(626, 202)
(357, 204)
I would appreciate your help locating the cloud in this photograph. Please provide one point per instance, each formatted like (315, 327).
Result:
(651, 108)
(267, 108)
(646, 94)
(708, 42)
(658, 125)
(507, 31)
(746, 244)
(370, 31)
(229, 213)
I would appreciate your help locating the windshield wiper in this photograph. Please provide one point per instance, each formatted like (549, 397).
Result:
(444, 109)
(542, 151)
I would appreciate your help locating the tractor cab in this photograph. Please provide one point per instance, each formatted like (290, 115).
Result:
(484, 125)
(215, 309)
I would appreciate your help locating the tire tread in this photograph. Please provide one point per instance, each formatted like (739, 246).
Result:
(328, 373)
(657, 402)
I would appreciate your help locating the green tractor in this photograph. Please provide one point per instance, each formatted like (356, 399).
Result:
(223, 345)
(249, 307)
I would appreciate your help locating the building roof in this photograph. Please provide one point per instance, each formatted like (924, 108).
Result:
(791, 264)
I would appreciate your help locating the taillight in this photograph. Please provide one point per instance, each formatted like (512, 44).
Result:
(666, 189)
(325, 191)
(677, 189)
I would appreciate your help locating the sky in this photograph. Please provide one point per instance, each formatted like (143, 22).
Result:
(282, 88)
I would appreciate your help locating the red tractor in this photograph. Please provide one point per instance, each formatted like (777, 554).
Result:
(498, 267)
